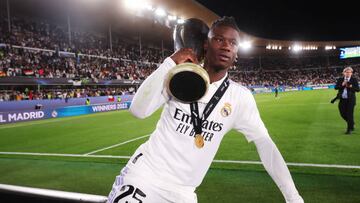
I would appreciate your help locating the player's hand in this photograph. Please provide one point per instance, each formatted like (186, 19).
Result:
(344, 83)
(184, 55)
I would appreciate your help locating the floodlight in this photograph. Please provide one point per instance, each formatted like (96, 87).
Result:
(180, 21)
(245, 45)
(297, 48)
(160, 12)
(171, 17)
(137, 4)
(132, 4)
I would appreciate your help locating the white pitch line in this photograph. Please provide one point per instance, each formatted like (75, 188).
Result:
(64, 155)
(215, 161)
(116, 145)
(291, 164)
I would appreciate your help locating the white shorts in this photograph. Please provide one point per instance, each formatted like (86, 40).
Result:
(131, 186)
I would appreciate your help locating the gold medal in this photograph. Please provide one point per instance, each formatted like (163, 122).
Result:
(199, 141)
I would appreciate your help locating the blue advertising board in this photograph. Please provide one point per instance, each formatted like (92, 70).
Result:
(28, 115)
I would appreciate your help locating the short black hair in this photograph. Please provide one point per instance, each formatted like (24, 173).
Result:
(225, 21)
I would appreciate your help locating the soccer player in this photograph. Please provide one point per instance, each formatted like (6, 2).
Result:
(173, 162)
(276, 89)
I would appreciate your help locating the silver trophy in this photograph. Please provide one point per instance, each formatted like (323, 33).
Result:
(188, 82)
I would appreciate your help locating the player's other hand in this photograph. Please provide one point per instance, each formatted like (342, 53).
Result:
(184, 55)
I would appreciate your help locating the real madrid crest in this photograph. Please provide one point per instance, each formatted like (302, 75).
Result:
(226, 110)
(54, 114)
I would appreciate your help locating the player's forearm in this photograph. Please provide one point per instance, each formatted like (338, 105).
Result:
(150, 95)
(277, 169)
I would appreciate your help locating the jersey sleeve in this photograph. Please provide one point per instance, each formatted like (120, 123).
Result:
(276, 167)
(152, 93)
(248, 120)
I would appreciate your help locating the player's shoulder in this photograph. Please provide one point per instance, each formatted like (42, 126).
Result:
(241, 94)
(240, 89)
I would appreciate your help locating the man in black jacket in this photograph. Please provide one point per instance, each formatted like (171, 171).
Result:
(347, 86)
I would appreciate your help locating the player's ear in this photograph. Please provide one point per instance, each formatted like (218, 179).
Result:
(235, 60)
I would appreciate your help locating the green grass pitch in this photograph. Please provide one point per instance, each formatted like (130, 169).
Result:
(304, 125)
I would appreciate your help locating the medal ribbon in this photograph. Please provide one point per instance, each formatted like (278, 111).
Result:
(194, 108)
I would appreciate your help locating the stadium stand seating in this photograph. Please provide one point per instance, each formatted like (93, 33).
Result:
(39, 49)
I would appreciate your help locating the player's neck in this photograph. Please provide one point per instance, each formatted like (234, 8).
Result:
(216, 74)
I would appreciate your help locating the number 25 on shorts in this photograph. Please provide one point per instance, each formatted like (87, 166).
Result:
(129, 189)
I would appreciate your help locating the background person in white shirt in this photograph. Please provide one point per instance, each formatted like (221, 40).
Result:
(347, 86)
(170, 165)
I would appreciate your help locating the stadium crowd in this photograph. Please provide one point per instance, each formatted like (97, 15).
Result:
(41, 49)
(86, 57)
(28, 94)
(292, 77)
(45, 35)
(42, 64)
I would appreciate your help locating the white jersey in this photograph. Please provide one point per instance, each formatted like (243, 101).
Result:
(170, 153)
